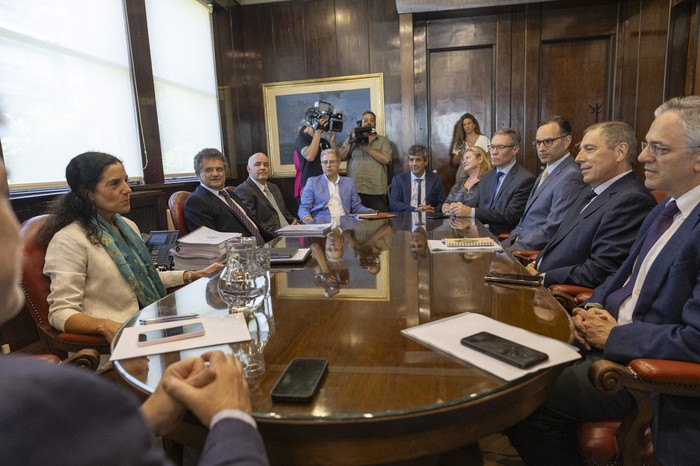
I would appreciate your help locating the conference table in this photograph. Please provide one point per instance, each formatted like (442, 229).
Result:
(386, 398)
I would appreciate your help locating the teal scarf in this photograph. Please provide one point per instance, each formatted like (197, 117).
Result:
(132, 258)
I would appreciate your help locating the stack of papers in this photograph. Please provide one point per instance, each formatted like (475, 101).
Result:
(463, 244)
(200, 248)
(306, 229)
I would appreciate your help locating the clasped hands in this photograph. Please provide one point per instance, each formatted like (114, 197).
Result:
(456, 209)
(592, 327)
(205, 385)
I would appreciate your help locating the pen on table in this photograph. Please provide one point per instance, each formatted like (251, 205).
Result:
(158, 320)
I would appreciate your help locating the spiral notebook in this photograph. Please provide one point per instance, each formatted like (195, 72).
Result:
(464, 244)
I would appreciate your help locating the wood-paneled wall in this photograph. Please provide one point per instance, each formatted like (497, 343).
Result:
(510, 65)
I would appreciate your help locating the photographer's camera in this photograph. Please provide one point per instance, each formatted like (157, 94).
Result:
(321, 109)
(362, 133)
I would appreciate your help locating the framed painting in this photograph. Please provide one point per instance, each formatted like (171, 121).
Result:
(286, 102)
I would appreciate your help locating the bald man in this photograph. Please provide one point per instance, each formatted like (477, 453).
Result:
(262, 198)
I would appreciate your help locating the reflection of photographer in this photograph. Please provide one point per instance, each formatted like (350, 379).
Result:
(310, 143)
(368, 154)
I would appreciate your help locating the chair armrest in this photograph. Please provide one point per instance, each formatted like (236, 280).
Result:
(86, 358)
(658, 372)
(571, 290)
(503, 236)
(525, 256)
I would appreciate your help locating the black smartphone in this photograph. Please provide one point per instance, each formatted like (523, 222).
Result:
(504, 350)
(436, 215)
(300, 380)
(514, 278)
(181, 332)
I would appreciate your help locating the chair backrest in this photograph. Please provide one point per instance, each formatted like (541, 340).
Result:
(176, 204)
(35, 284)
(658, 195)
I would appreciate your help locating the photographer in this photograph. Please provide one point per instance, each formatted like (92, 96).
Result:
(310, 143)
(368, 154)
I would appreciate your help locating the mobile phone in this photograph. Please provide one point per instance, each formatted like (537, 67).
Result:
(514, 278)
(181, 332)
(436, 215)
(504, 350)
(300, 380)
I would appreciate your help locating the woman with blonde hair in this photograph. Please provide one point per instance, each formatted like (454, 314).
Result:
(475, 163)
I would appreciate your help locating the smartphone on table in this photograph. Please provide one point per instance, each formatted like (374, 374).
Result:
(514, 278)
(504, 350)
(300, 380)
(181, 332)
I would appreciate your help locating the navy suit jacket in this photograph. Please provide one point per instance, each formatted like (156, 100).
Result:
(400, 195)
(315, 196)
(204, 208)
(66, 415)
(547, 206)
(666, 325)
(264, 214)
(510, 201)
(590, 245)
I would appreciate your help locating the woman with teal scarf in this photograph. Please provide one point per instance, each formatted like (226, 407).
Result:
(100, 269)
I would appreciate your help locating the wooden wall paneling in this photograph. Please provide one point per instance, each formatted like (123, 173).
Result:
(649, 92)
(678, 65)
(353, 39)
(408, 92)
(225, 70)
(147, 115)
(509, 32)
(576, 79)
(385, 57)
(420, 83)
(460, 80)
(284, 53)
(462, 32)
(320, 39)
(530, 88)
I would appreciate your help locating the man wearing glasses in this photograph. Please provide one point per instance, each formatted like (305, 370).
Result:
(503, 191)
(649, 308)
(329, 196)
(555, 191)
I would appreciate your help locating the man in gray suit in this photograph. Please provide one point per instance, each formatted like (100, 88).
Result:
(263, 199)
(557, 188)
(503, 191)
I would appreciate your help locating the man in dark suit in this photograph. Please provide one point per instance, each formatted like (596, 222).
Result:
(649, 308)
(263, 199)
(503, 191)
(417, 190)
(595, 237)
(213, 206)
(99, 423)
(556, 190)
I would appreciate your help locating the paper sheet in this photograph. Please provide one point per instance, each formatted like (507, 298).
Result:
(445, 335)
(436, 245)
(217, 330)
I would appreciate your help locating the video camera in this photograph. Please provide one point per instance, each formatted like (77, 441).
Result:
(323, 109)
(362, 134)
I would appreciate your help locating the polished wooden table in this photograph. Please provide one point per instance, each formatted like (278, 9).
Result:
(386, 397)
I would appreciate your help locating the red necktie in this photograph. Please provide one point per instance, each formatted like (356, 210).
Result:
(243, 217)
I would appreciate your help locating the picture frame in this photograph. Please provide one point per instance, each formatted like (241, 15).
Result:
(286, 102)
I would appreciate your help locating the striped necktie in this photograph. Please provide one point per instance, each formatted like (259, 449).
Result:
(243, 217)
(273, 202)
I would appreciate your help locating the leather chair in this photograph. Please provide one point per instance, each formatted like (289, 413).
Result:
(629, 442)
(86, 358)
(176, 204)
(36, 287)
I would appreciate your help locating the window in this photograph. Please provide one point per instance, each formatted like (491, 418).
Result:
(65, 87)
(182, 55)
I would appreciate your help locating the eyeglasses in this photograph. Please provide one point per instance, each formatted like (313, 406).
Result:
(547, 142)
(328, 162)
(658, 150)
(499, 147)
(210, 170)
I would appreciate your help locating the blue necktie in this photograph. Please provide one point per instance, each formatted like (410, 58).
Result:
(499, 175)
(658, 228)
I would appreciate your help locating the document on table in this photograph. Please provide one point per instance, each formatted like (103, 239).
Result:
(217, 330)
(463, 244)
(445, 335)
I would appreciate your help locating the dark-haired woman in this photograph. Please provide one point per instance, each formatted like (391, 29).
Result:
(467, 134)
(100, 269)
